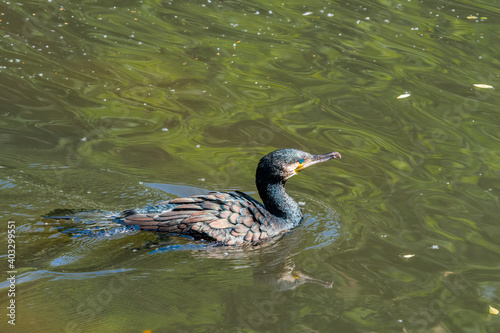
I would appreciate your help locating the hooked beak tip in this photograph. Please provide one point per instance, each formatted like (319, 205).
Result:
(336, 155)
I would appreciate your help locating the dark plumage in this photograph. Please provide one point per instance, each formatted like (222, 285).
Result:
(236, 218)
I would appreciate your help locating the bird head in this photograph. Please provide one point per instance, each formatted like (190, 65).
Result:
(285, 163)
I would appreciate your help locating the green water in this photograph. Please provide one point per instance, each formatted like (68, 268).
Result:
(112, 105)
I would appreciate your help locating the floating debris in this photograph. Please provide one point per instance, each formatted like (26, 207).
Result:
(407, 256)
(404, 96)
(493, 310)
(483, 86)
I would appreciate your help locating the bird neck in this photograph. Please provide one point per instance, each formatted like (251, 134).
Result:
(278, 202)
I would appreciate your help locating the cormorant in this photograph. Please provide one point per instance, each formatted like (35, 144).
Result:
(235, 218)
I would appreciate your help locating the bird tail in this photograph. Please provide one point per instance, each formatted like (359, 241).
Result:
(84, 222)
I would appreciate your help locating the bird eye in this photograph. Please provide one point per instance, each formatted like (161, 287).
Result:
(301, 161)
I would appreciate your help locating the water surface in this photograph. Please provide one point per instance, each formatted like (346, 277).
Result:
(106, 106)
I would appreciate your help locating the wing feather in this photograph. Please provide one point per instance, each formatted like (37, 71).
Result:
(227, 218)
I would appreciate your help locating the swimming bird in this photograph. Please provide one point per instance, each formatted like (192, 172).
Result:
(235, 218)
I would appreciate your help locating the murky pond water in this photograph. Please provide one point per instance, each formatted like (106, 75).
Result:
(108, 105)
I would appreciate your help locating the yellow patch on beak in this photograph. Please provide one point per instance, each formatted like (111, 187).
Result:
(300, 167)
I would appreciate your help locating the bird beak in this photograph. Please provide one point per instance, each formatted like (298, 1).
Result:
(317, 159)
